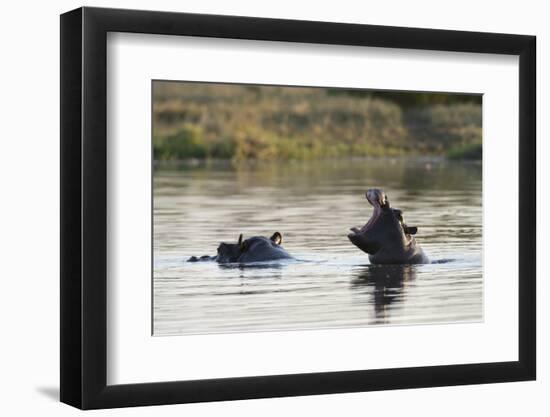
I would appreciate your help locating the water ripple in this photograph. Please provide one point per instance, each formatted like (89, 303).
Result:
(332, 283)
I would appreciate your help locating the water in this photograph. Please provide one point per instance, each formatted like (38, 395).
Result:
(313, 205)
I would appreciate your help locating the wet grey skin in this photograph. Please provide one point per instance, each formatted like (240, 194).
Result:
(253, 249)
(386, 238)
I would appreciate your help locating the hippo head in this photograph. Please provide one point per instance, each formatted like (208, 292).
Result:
(230, 252)
(385, 231)
(249, 248)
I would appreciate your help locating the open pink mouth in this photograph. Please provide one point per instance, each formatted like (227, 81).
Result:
(377, 211)
(378, 200)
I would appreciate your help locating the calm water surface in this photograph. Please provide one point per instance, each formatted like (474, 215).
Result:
(332, 283)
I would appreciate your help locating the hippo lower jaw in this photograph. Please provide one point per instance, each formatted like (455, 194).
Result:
(358, 238)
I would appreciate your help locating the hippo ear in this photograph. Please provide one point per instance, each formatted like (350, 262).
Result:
(277, 238)
(240, 241)
(411, 230)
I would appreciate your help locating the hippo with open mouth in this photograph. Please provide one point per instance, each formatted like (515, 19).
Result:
(385, 237)
(253, 249)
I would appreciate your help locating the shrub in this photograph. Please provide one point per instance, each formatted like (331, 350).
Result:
(473, 151)
(193, 120)
(187, 143)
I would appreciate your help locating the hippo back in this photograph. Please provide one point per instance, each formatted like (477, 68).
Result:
(261, 249)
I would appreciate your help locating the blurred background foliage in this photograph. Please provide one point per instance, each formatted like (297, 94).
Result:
(250, 122)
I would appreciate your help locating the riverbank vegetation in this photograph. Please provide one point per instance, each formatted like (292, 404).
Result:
(239, 122)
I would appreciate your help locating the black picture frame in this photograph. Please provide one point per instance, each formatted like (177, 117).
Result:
(84, 207)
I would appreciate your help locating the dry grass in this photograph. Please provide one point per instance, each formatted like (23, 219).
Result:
(193, 120)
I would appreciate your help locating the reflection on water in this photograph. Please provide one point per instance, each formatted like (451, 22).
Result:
(384, 284)
(330, 284)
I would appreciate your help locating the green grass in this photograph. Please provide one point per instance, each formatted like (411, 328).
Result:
(204, 121)
(472, 151)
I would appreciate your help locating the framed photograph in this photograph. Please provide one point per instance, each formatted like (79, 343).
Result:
(257, 208)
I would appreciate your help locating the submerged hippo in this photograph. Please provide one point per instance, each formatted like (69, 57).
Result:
(385, 237)
(253, 249)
